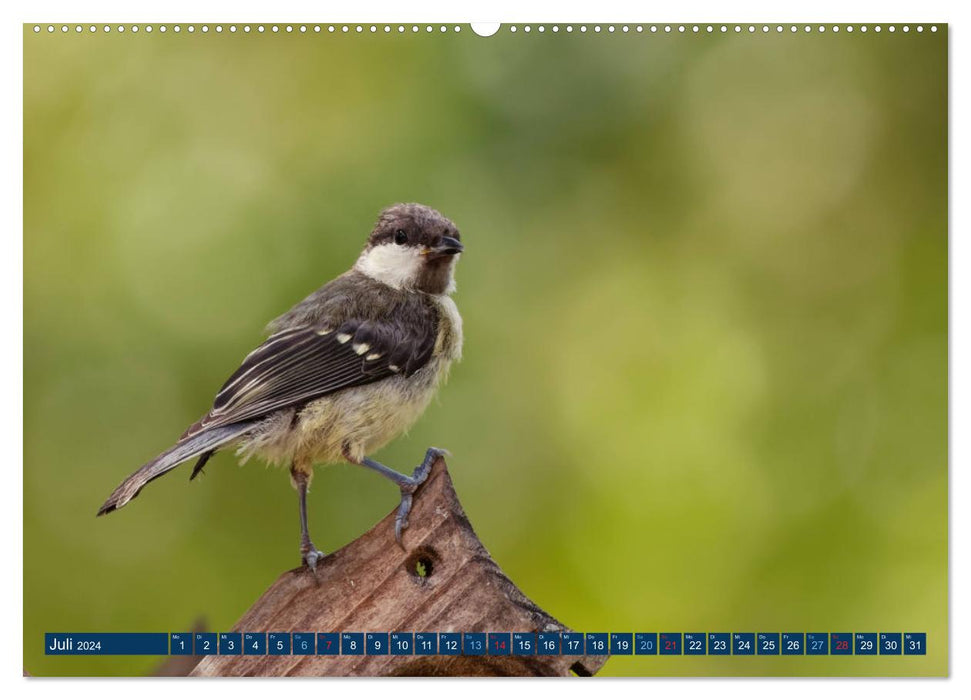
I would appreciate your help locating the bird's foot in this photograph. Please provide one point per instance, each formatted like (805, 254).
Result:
(310, 555)
(408, 489)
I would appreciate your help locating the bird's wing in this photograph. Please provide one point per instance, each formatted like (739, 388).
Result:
(302, 363)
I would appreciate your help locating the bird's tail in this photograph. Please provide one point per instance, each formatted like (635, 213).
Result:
(174, 456)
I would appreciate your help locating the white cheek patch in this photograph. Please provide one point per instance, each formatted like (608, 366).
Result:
(397, 266)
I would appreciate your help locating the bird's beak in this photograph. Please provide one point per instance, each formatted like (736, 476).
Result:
(446, 246)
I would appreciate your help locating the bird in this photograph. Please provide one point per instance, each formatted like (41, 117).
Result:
(343, 372)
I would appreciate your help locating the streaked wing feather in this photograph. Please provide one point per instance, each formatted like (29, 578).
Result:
(299, 364)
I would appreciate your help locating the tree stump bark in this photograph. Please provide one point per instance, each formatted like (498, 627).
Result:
(443, 581)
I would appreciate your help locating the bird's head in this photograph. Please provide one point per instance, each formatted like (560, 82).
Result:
(412, 247)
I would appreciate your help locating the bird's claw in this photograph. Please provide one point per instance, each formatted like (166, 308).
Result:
(418, 477)
(401, 520)
(422, 470)
(311, 556)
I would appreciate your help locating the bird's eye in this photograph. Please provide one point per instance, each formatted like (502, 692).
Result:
(400, 236)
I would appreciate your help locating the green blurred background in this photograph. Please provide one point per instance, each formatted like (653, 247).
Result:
(705, 301)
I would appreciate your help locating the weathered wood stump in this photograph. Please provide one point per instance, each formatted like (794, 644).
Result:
(445, 581)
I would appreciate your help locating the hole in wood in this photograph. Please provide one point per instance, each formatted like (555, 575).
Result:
(422, 563)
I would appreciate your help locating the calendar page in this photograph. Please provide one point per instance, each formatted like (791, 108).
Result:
(610, 349)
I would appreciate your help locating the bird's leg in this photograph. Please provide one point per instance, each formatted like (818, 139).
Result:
(308, 552)
(407, 484)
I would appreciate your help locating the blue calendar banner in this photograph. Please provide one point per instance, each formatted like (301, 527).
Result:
(890, 644)
(500, 643)
(106, 643)
(670, 643)
(572, 643)
(840, 643)
(548, 643)
(352, 643)
(598, 643)
(645, 643)
(767, 644)
(402, 643)
(254, 643)
(181, 643)
(204, 643)
(865, 643)
(915, 643)
(494, 643)
(303, 643)
(524, 643)
(817, 643)
(450, 643)
(426, 643)
(328, 643)
(694, 644)
(793, 643)
(230, 643)
(474, 643)
(743, 643)
(278, 643)
(376, 643)
(719, 643)
(621, 643)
